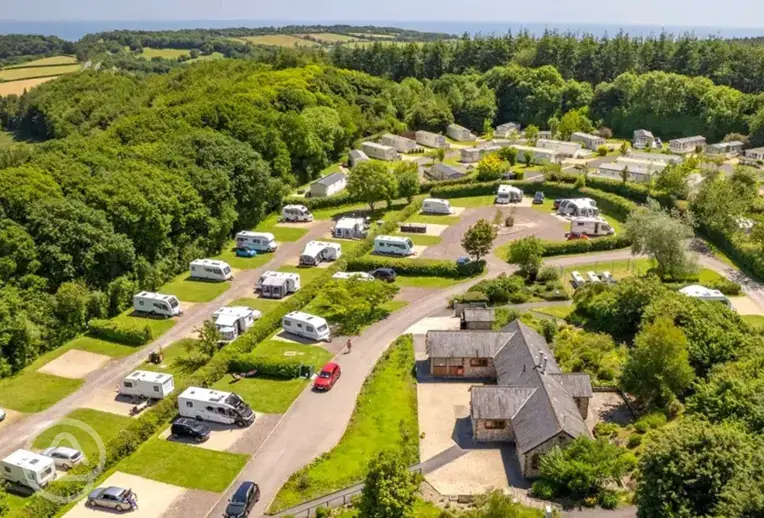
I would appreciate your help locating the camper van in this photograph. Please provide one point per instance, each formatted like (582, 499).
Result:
(215, 406)
(157, 304)
(316, 252)
(233, 321)
(277, 285)
(211, 269)
(436, 206)
(508, 194)
(28, 469)
(353, 275)
(591, 227)
(393, 245)
(259, 241)
(351, 228)
(306, 325)
(296, 213)
(150, 385)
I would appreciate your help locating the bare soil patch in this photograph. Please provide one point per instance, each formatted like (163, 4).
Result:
(75, 364)
(434, 324)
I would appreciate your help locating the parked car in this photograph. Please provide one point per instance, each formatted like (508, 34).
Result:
(572, 236)
(113, 498)
(187, 428)
(461, 261)
(538, 198)
(2, 415)
(243, 500)
(384, 274)
(246, 252)
(65, 458)
(327, 377)
(509, 175)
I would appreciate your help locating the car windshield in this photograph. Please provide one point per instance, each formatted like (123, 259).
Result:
(325, 374)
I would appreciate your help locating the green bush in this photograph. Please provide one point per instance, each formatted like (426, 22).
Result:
(634, 440)
(548, 274)
(602, 151)
(608, 499)
(606, 430)
(427, 186)
(519, 175)
(583, 246)
(472, 296)
(137, 334)
(337, 200)
(285, 368)
(727, 287)
(417, 267)
(650, 422)
(543, 489)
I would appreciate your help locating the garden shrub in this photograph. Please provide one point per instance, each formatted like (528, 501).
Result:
(650, 422)
(472, 297)
(336, 200)
(548, 273)
(602, 151)
(608, 499)
(634, 440)
(284, 368)
(727, 287)
(583, 246)
(417, 267)
(606, 430)
(120, 332)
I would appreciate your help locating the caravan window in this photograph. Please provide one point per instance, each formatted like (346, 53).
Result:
(299, 325)
(410, 243)
(189, 404)
(287, 323)
(322, 328)
(226, 270)
(156, 388)
(47, 472)
(309, 329)
(209, 409)
(140, 303)
(221, 410)
(174, 302)
(128, 384)
(7, 469)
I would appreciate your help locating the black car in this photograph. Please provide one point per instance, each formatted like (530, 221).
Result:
(384, 274)
(243, 500)
(185, 428)
(509, 175)
(538, 198)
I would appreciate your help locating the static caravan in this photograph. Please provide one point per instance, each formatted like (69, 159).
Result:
(638, 171)
(363, 276)
(29, 469)
(436, 206)
(316, 252)
(460, 133)
(754, 156)
(562, 148)
(151, 385)
(400, 144)
(703, 293)
(157, 304)
(643, 139)
(687, 144)
(591, 227)
(328, 185)
(260, 241)
(350, 228)
(356, 156)
(234, 320)
(214, 405)
(470, 155)
(211, 269)
(538, 155)
(306, 325)
(429, 139)
(590, 142)
(296, 213)
(380, 151)
(506, 130)
(508, 194)
(393, 245)
(441, 172)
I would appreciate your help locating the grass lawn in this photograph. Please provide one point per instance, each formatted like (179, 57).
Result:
(426, 282)
(333, 212)
(282, 234)
(43, 62)
(386, 406)
(474, 201)
(328, 37)
(106, 425)
(266, 395)
(192, 290)
(12, 74)
(502, 251)
(184, 465)
(6, 139)
(546, 207)
(280, 40)
(149, 53)
(314, 355)
(98, 346)
(753, 320)
(707, 276)
(394, 305)
(433, 220)
(173, 363)
(264, 306)
(422, 509)
(159, 326)
(33, 391)
(307, 274)
(420, 239)
(619, 269)
(555, 311)
(241, 263)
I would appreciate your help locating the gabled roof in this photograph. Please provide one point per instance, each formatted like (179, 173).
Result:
(331, 179)
(496, 402)
(479, 315)
(445, 171)
(643, 133)
(577, 384)
(465, 344)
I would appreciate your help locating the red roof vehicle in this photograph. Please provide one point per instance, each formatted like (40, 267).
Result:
(327, 377)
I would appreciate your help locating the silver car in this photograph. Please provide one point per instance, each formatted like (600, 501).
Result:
(2, 414)
(113, 498)
(65, 458)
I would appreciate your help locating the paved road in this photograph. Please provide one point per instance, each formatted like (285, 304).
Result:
(16, 434)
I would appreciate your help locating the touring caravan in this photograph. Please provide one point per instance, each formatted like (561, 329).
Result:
(316, 252)
(592, 277)
(393, 245)
(350, 228)
(296, 213)
(508, 194)
(591, 227)
(151, 385)
(582, 207)
(157, 304)
(210, 269)
(703, 293)
(28, 469)
(214, 405)
(436, 206)
(260, 241)
(233, 321)
(277, 285)
(577, 279)
(353, 275)
(306, 325)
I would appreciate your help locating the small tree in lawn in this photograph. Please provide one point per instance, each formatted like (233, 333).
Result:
(508, 154)
(478, 239)
(625, 174)
(527, 253)
(372, 182)
(624, 148)
(491, 167)
(407, 174)
(208, 342)
(532, 133)
(389, 489)
(528, 159)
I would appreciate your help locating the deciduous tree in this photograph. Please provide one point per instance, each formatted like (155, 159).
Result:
(478, 240)
(389, 488)
(527, 253)
(372, 182)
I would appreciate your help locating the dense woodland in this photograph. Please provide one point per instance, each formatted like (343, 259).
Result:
(15, 48)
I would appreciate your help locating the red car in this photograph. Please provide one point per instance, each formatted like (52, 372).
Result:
(327, 377)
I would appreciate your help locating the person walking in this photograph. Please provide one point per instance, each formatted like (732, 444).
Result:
(349, 346)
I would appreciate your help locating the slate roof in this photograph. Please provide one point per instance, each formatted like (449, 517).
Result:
(643, 133)
(496, 402)
(331, 179)
(445, 172)
(465, 344)
(576, 384)
(479, 315)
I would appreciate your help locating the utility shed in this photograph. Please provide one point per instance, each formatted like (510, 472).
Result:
(478, 318)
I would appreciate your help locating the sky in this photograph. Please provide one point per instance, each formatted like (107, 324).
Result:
(702, 13)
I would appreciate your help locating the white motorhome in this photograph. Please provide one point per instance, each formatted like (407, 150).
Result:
(508, 194)
(353, 275)
(436, 206)
(151, 385)
(277, 285)
(296, 213)
(157, 304)
(393, 245)
(234, 320)
(29, 469)
(306, 325)
(211, 269)
(350, 228)
(316, 252)
(214, 405)
(591, 227)
(703, 293)
(259, 241)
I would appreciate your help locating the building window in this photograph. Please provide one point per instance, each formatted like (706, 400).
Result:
(439, 362)
(495, 424)
(535, 461)
(479, 362)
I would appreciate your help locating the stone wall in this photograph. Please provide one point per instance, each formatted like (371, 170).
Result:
(483, 434)
(470, 371)
(583, 406)
(526, 461)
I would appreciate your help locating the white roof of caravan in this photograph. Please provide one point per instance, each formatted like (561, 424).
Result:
(279, 275)
(532, 149)
(155, 377)
(209, 262)
(349, 222)
(435, 200)
(587, 136)
(249, 233)
(272, 280)
(226, 320)
(376, 146)
(508, 188)
(315, 247)
(305, 317)
(702, 292)
(233, 311)
(298, 207)
(581, 219)
(394, 239)
(350, 275)
(204, 394)
(151, 295)
(29, 460)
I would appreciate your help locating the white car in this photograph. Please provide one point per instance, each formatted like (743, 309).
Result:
(65, 458)
(2, 415)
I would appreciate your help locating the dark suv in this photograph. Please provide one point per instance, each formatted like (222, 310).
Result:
(185, 428)
(384, 274)
(243, 500)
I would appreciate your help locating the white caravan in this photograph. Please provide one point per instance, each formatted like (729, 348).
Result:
(591, 227)
(578, 279)
(296, 213)
(259, 241)
(29, 469)
(277, 285)
(508, 194)
(592, 276)
(151, 385)
(233, 321)
(583, 207)
(157, 304)
(306, 325)
(316, 252)
(350, 228)
(393, 245)
(436, 206)
(211, 269)
(703, 293)
(353, 275)
(214, 405)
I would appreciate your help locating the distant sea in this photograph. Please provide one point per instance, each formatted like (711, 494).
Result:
(74, 30)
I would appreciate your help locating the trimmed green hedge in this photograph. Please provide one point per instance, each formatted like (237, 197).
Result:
(417, 267)
(429, 185)
(337, 200)
(274, 368)
(582, 246)
(119, 332)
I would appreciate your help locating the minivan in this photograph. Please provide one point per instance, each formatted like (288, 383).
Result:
(185, 428)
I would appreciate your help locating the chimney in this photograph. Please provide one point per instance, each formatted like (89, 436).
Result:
(543, 365)
(541, 359)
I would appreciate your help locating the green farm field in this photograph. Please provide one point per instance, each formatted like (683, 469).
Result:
(15, 74)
